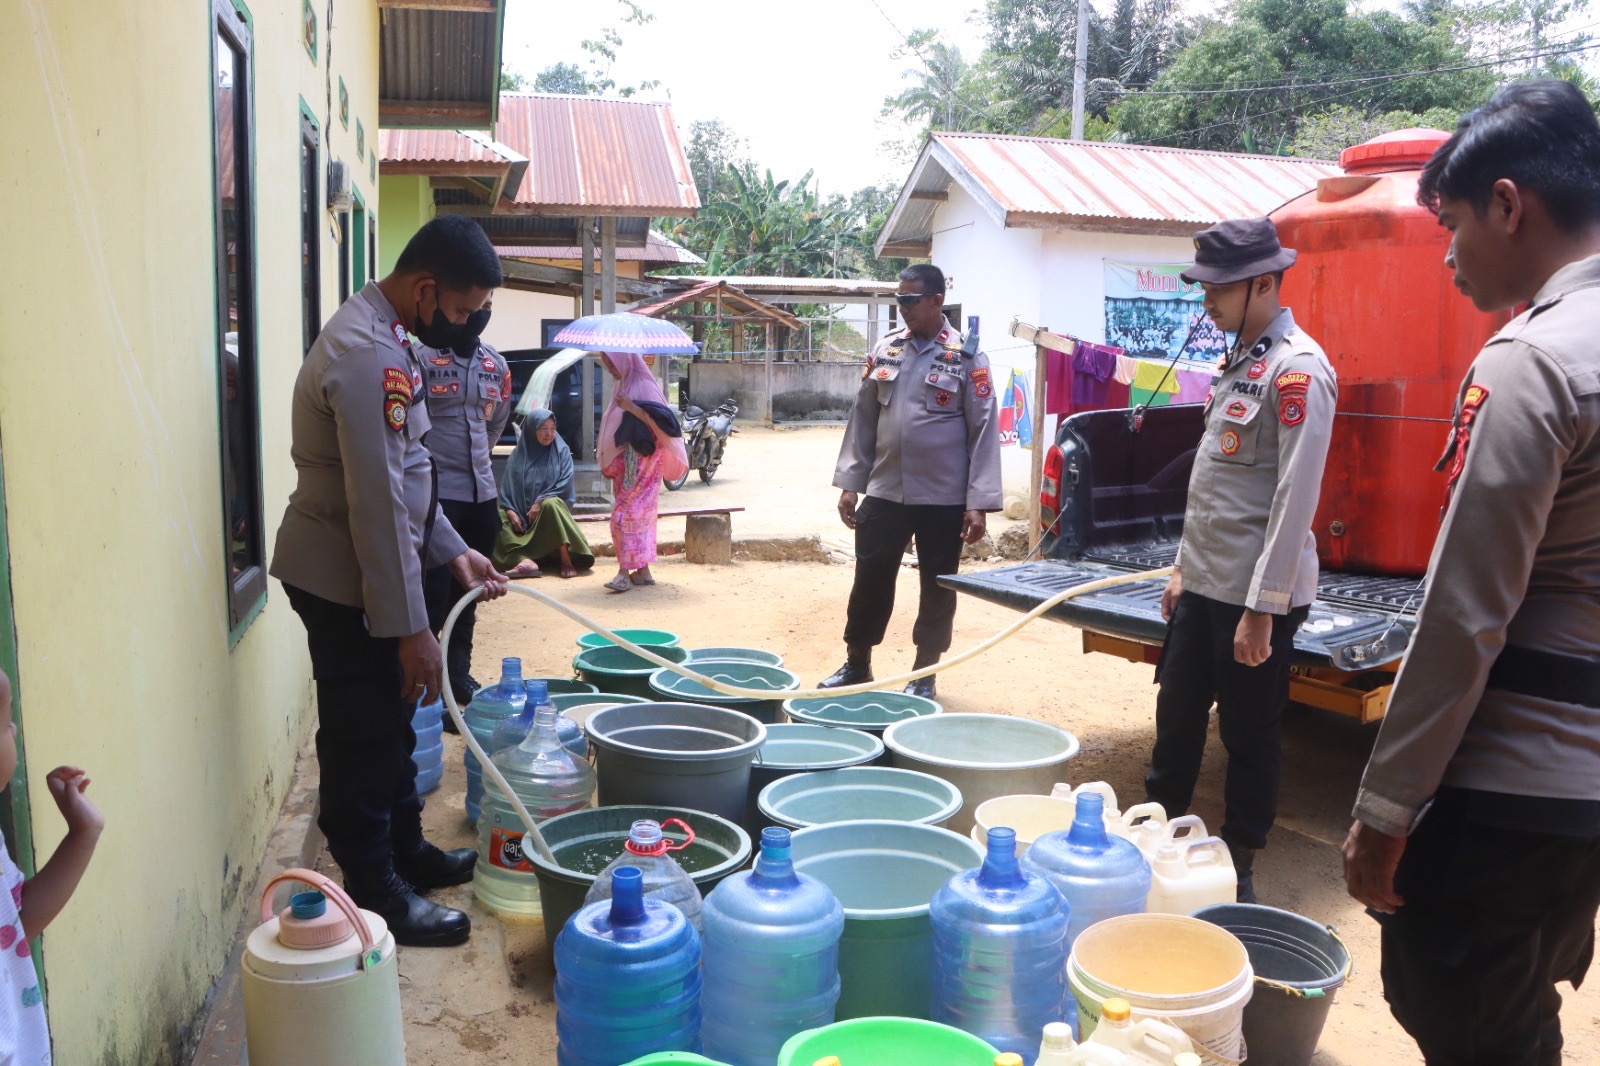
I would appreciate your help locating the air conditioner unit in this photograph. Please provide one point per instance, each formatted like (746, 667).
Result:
(338, 185)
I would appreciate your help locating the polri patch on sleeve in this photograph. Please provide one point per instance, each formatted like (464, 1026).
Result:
(980, 382)
(1292, 410)
(397, 393)
(1293, 381)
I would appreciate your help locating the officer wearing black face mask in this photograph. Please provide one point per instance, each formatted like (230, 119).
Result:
(468, 386)
(361, 527)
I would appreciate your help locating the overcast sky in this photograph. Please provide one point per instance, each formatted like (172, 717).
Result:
(805, 88)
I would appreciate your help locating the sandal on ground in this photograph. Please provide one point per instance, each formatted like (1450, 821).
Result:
(569, 571)
(637, 580)
(619, 584)
(524, 568)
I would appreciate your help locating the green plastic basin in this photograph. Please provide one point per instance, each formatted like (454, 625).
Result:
(562, 686)
(659, 638)
(797, 748)
(735, 655)
(774, 679)
(885, 875)
(614, 669)
(888, 1042)
(858, 792)
(870, 711)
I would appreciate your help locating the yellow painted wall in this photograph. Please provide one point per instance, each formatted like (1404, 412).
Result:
(109, 438)
(407, 204)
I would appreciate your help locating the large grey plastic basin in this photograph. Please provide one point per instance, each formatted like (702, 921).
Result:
(983, 755)
(676, 754)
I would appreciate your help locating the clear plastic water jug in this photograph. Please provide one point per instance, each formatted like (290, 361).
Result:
(627, 979)
(428, 725)
(999, 950)
(1188, 876)
(549, 780)
(509, 732)
(648, 850)
(771, 957)
(491, 705)
(1100, 875)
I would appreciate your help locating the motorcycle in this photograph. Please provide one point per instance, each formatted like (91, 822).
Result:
(704, 437)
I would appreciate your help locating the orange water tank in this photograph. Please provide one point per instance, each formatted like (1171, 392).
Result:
(1371, 286)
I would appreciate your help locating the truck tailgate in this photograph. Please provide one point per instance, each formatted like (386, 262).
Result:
(1357, 623)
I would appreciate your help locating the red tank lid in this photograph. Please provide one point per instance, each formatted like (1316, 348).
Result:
(1400, 150)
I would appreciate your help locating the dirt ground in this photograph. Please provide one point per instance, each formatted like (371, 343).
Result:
(490, 1001)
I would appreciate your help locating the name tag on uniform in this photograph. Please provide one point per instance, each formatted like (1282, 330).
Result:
(1239, 410)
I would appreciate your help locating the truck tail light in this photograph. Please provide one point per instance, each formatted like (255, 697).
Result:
(1050, 487)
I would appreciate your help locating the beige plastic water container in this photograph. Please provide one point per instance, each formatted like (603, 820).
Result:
(1149, 836)
(321, 983)
(1119, 823)
(1125, 1044)
(1186, 877)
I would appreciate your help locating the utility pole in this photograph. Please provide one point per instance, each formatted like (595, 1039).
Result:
(1080, 70)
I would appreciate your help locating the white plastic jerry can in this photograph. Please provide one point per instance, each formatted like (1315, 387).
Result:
(1142, 1043)
(1183, 830)
(321, 984)
(1119, 823)
(1187, 876)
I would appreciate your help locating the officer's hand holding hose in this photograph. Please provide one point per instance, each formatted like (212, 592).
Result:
(421, 662)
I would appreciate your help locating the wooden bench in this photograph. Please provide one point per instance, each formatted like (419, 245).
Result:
(707, 533)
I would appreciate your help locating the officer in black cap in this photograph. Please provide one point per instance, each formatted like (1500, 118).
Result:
(1246, 569)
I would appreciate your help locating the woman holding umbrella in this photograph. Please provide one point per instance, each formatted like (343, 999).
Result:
(641, 441)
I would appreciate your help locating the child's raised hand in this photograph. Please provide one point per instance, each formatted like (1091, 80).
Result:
(67, 785)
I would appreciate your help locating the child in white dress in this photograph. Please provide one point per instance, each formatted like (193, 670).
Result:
(27, 906)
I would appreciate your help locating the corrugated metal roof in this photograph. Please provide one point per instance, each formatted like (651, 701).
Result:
(725, 296)
(658, 248)
(443, 146)
(594, 156)
(1046, 183)
(439, 68)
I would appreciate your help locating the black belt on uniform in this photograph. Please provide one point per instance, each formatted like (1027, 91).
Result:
(1546, 675)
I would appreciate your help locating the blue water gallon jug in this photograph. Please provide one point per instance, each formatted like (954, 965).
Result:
(1000, 951)
(1100, 875)
(490, 706)
(627, 979)
(510, 732)
(428, 725)
(771, 957)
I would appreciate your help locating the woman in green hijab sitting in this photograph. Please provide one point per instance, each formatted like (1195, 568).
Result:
(536, 495)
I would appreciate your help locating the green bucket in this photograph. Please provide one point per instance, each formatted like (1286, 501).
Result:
(614, 669)
(870, 711)
(857, 792)
(645, 638)
(563, 686)
(662, 1058)
(735, 655)
(799, 748)
(885, 874)
(775, 679)
(585, 841)
(888, 1042)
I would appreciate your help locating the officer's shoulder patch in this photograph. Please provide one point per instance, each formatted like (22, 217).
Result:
(1293, 381)
(1474, 398)
(980, 381)
(397, 393)
(1292, 410)
(400, 335)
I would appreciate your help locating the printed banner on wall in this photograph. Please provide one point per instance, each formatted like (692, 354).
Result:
(1016, 420)
(1150, 310)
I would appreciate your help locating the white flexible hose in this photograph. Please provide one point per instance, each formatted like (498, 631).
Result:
(726, 689)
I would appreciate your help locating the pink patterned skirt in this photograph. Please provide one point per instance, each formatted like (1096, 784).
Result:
(633, 510)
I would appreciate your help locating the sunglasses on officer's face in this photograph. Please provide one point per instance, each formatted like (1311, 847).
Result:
(907, 299)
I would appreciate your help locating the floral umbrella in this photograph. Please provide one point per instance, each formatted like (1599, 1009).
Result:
(625, 331)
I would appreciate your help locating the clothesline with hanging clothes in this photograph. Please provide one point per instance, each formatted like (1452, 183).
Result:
(1099, 377)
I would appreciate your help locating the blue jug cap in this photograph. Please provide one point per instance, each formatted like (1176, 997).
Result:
(1089, 820)
(308, 904)
(538, 690)
(1000, 865)
(510, 666)
(627, 896)
(775, 837)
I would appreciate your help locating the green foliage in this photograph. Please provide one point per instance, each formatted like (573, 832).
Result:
(1326, 134)
(564, 78)
(603, 53)
(511, 81)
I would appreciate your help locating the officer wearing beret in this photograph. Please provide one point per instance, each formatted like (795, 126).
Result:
(469, 402)
(361, 526)
(923, 446)
(1246, 569)
(1477, 833)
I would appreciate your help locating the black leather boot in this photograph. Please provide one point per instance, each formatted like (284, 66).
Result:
(924, 686)
(857, 668)
(429, 867)
(414, 921)
(1244, 860)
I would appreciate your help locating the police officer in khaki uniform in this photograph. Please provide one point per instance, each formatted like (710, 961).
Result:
(923, 445)
(1477, 839)
(350, 555)
(1246, 570)
(468, 386)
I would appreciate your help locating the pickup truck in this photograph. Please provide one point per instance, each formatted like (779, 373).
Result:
(1112, 502)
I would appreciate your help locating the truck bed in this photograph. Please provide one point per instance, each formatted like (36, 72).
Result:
(1351, 613)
